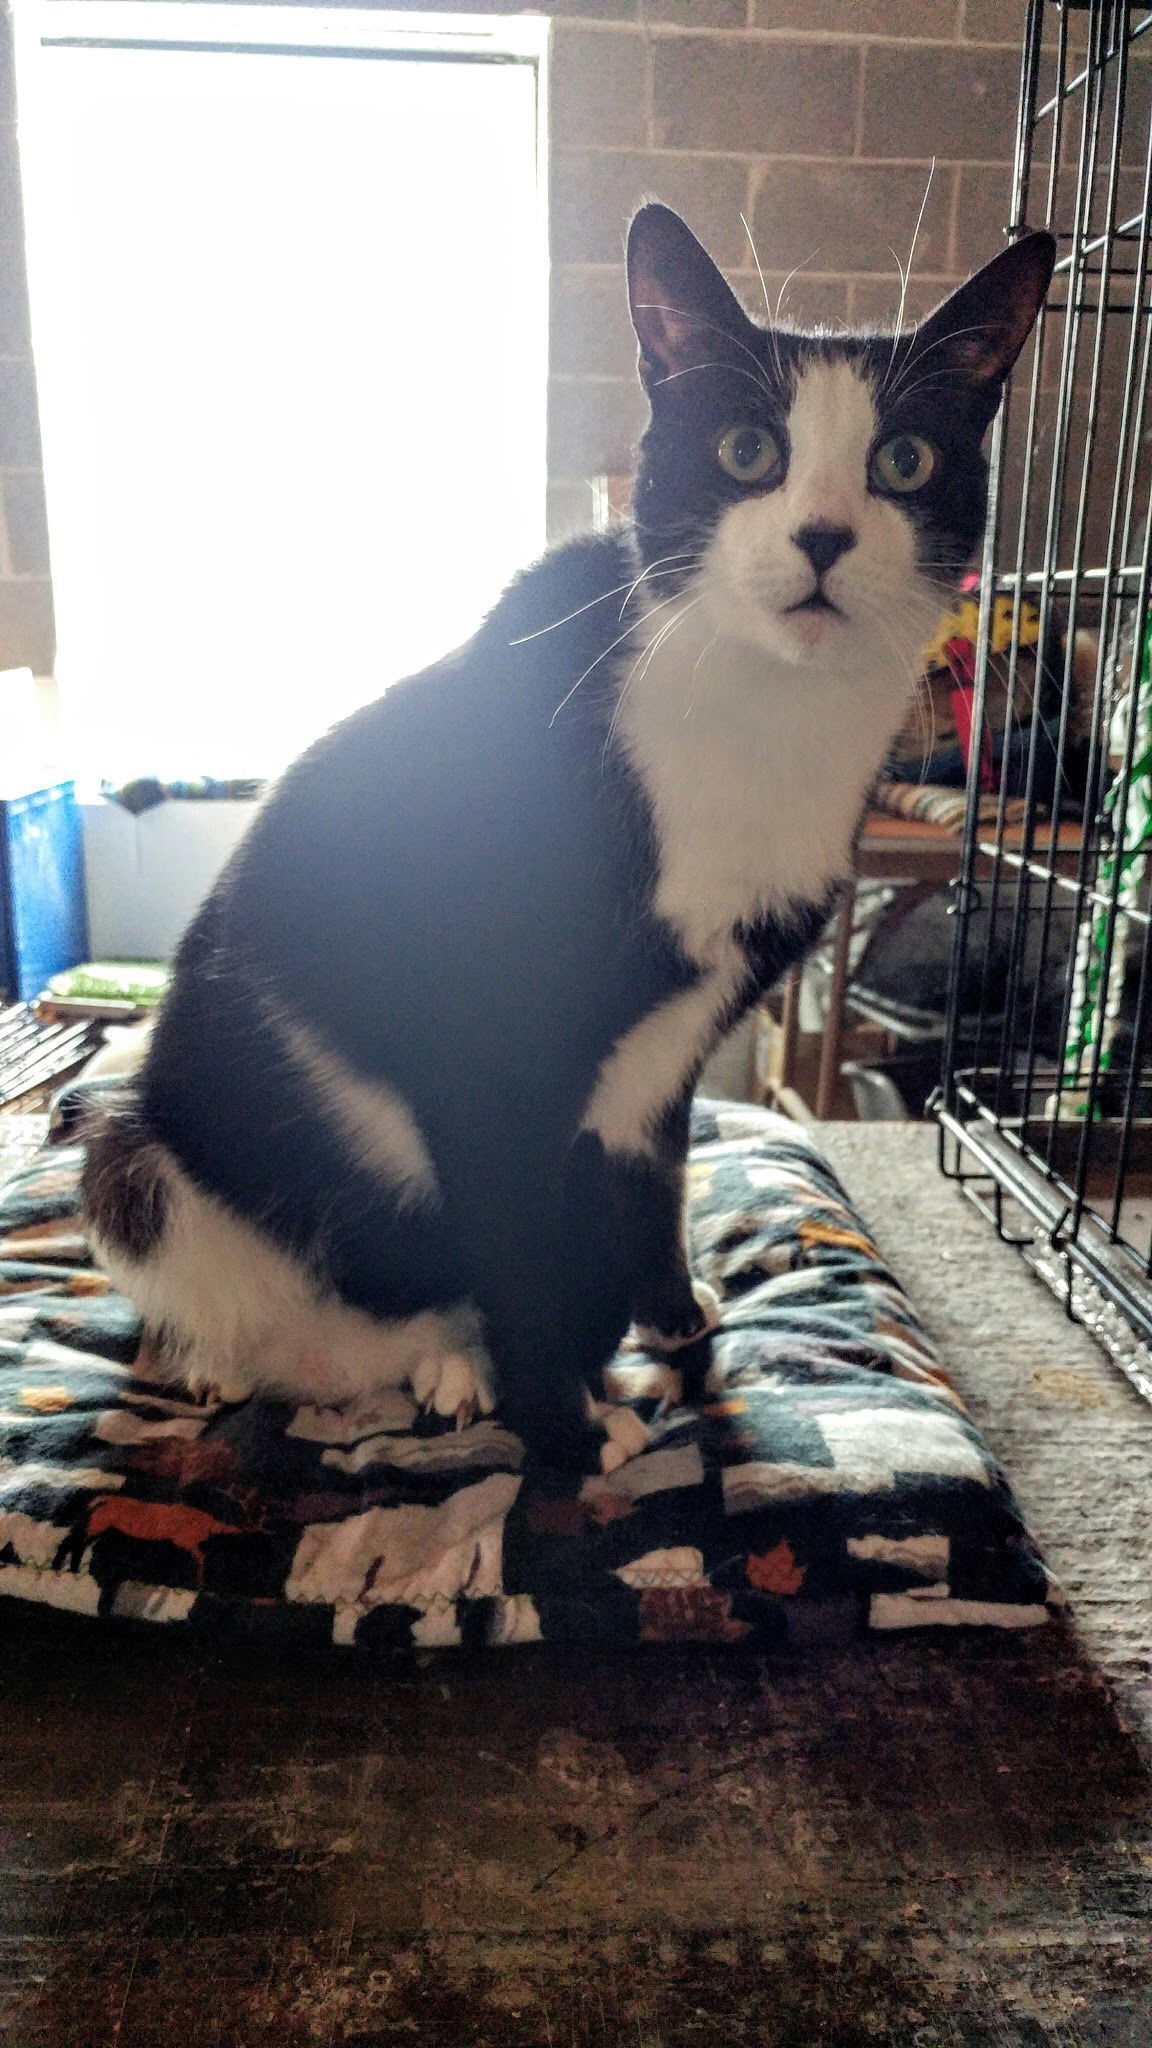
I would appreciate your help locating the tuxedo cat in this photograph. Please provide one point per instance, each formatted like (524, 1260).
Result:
(416, 1105)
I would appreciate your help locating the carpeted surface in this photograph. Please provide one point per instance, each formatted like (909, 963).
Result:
(936, 1844)
(1074, 1435)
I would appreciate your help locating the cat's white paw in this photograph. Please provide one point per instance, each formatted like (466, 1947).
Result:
(646, 1338)
(709, 1304)
(209, 1381)
(217, 1391)
(453, 1383)
(625, 1436)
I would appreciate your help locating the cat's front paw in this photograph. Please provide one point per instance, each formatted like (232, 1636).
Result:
(686, 1323)
(566, 1428)
(453, 1384)
(624, 1434)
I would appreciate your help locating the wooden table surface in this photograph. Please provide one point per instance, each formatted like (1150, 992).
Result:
(895, 848)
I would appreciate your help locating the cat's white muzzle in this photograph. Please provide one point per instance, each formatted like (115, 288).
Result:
(813, 628)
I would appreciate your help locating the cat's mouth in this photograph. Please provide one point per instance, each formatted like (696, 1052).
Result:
(816, 601)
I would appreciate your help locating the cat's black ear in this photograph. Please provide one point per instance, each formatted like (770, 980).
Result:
(683, 312)
(982, 328)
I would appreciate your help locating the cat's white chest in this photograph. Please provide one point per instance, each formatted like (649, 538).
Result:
(647, 1068)
(756, 773)
(756, 776)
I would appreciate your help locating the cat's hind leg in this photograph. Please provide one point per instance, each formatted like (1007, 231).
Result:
(625, 1434)
(235, 1314)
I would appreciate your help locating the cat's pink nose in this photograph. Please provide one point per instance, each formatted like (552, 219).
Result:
(824, 544)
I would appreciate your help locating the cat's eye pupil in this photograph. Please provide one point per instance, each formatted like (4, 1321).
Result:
(904, 464)
(751, 455)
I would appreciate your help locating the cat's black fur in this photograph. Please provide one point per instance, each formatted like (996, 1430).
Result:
(454, 891)
(509, 859)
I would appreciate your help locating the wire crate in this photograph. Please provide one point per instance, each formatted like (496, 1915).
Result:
(1045, 1107)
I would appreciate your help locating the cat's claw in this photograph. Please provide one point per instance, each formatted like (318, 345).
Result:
(452, 1384)
(647, 1337)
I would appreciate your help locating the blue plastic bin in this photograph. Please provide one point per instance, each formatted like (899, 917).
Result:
(43, 909)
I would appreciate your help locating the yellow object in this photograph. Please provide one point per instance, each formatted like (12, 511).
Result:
(814, 1235)
(963, 623)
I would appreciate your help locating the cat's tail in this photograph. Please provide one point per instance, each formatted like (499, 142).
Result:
(124, 1186)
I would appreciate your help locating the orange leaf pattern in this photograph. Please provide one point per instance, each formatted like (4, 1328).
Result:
(776, 1571)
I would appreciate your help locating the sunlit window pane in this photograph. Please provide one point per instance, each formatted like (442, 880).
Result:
(290, 337)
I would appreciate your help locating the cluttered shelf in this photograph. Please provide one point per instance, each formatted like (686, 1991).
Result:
(924, 857)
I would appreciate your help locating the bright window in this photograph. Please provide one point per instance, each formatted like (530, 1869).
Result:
(289, 277)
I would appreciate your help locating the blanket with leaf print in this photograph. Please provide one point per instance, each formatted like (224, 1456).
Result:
(827, 1481)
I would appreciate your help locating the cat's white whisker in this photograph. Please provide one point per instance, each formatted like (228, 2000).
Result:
(705, 651)
(554, 624)
(907, 652)
(657, 568)
(906, 391)
(646, 657)
(927, 707)
(906, 270)
(759, 272)
(794, 272)
(775, 316)
(602, 656)
(729, 369)
(917, 355)
(696, 320)
(652, 646)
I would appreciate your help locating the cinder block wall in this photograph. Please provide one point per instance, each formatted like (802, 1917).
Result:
(815, 119)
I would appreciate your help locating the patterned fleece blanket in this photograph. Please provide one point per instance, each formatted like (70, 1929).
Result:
(932, 803)
(827, 1482)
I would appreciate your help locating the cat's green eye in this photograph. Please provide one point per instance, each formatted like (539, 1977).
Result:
(904, 463)
(750, 454)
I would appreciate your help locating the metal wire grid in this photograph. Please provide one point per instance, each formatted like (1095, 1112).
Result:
(1047, 1088)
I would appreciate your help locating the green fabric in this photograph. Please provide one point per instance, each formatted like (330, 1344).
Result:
(112, 981)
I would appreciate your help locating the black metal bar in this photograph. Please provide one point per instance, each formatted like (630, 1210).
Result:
(1122, 783)
(1144, 988)
(1069, 354)
(1007, 580)
(1089, 850)
(1041, 873)
(1011, 1129)
(1078, 545)
(1129, 1296)
(1136, 380)
(1029, 75)
(1121, 232)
